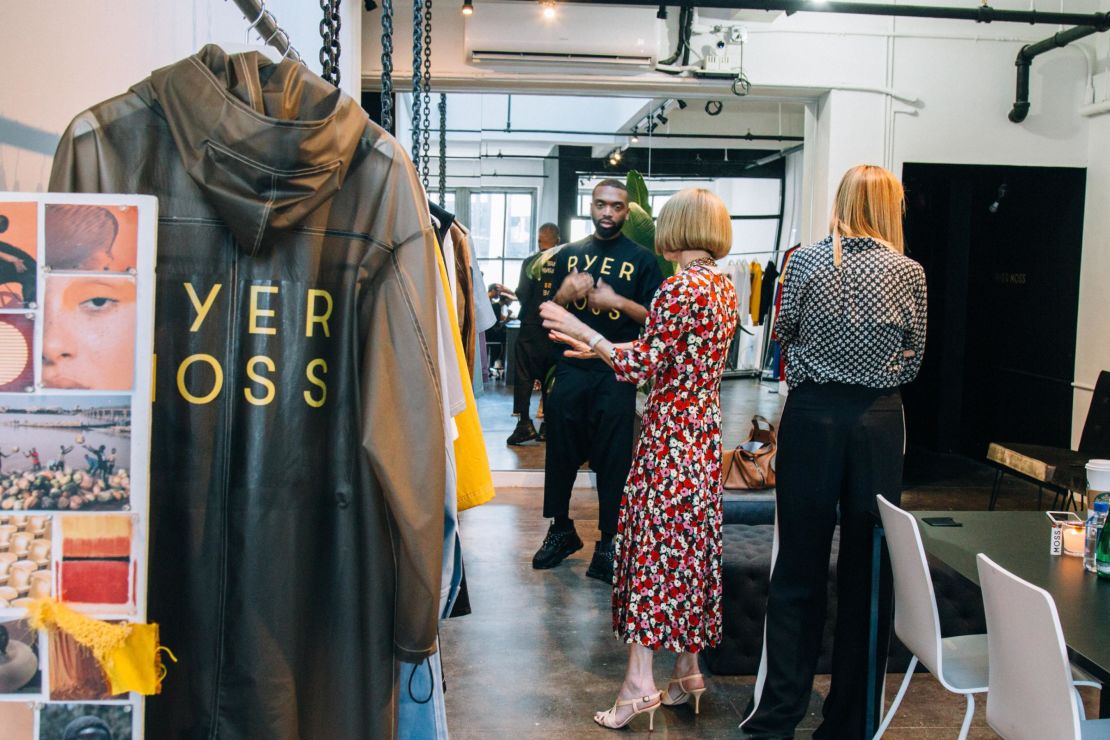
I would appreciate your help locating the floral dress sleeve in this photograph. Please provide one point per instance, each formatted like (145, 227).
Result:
(649, 354)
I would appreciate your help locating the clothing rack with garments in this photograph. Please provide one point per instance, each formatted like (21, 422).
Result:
(746, 353)
(386, 431)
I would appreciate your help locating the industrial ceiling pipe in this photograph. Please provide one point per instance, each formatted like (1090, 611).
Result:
(980, 14)
(1030, 51)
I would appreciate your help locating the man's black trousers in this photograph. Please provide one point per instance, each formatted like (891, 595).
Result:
(533, 358)
(839, 446)
(590, 416)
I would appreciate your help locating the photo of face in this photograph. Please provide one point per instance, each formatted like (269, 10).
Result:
(89, 333)
(18, 720)
(18, 250)
(85, 722)
(95, 238)
(17, 333)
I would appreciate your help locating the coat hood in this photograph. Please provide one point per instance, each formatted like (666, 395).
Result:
(267, 143)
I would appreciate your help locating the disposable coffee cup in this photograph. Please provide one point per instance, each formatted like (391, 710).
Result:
(1098, 476)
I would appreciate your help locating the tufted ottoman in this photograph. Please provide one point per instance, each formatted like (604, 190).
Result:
(748, 535)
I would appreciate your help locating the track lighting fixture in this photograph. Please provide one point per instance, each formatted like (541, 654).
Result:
(468, 7)
(681, 104)
(651, 127)
(635, 137)
(662, 14)
(548, 8)
(661, 118)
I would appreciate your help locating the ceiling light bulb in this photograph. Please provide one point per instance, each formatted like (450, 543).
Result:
(468, 7)
(548, 8)
(635, 139)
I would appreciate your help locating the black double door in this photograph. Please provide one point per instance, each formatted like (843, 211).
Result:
(1001, 248)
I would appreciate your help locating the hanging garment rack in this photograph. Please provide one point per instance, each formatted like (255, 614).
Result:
(266, 26)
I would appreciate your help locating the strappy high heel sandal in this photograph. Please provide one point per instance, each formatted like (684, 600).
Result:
(684, 697)
(605, 718)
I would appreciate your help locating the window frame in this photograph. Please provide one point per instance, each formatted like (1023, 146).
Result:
(462, 202)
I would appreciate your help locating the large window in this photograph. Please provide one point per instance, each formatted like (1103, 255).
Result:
(503, 231)
(754, 204)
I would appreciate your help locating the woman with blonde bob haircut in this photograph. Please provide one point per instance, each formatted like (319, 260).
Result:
(852, 329)
(667, 570)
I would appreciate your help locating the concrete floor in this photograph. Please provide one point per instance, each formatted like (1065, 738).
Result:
(537, 657)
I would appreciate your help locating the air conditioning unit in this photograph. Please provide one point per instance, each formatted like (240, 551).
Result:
(580, 37)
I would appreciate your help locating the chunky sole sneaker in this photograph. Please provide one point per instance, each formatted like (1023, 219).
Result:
(601, 564)
(522, 435)
(556, 547)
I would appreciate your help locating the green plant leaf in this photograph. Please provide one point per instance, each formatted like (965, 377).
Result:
(638, 192)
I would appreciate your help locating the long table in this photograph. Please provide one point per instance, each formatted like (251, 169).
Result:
(1019, 542)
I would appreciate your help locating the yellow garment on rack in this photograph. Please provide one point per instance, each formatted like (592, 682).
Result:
(757, 287)
(129, 654)
(474, 481)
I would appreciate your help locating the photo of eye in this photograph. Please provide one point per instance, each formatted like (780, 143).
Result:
(17, 371)
(89, 332)
(93, 238)
(18, 266)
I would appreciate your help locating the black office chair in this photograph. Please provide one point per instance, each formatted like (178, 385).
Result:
(1058, 469)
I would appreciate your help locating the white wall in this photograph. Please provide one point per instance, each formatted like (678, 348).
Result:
(60, 57)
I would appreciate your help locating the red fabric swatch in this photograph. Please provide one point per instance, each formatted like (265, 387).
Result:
(95, 582)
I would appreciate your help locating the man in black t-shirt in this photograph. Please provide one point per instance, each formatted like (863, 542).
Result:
(607, 281)
(534, 353)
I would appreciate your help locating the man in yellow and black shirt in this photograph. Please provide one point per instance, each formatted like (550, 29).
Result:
(606, 280)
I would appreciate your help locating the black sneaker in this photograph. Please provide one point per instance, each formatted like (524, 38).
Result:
(523, 434)
(541, 435)
(556, 547)
(601, 565)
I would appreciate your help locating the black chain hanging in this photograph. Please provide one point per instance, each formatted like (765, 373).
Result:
(442, 150)
(387, 65)
(417, 58)
(426, 90)
(329, 33)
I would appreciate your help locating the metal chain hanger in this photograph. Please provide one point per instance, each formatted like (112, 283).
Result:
(329, 34)
(387, 65)
(442, 150)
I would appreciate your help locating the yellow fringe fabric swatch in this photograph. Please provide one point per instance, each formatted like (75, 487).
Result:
(129, 654)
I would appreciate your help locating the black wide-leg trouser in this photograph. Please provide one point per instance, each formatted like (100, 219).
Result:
(590, 416)
(534, 357)
(839, 447)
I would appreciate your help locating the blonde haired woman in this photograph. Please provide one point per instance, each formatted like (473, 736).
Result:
(852, 327)
(667, 573)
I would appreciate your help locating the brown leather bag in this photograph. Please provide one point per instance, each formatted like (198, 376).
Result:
(751, 466)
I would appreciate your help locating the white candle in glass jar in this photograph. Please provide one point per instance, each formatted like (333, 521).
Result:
(1075, 536)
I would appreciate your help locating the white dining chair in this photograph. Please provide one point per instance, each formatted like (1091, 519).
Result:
(1031, 690)
(959, 663)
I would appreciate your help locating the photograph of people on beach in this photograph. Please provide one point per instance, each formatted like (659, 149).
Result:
(65, 453)
(89, 332)
(91, 238)
(17, 368)
(18, 254)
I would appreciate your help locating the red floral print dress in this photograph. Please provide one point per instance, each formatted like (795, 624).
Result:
(667, 573)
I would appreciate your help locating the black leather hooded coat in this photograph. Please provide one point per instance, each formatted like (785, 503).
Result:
(297, 465)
